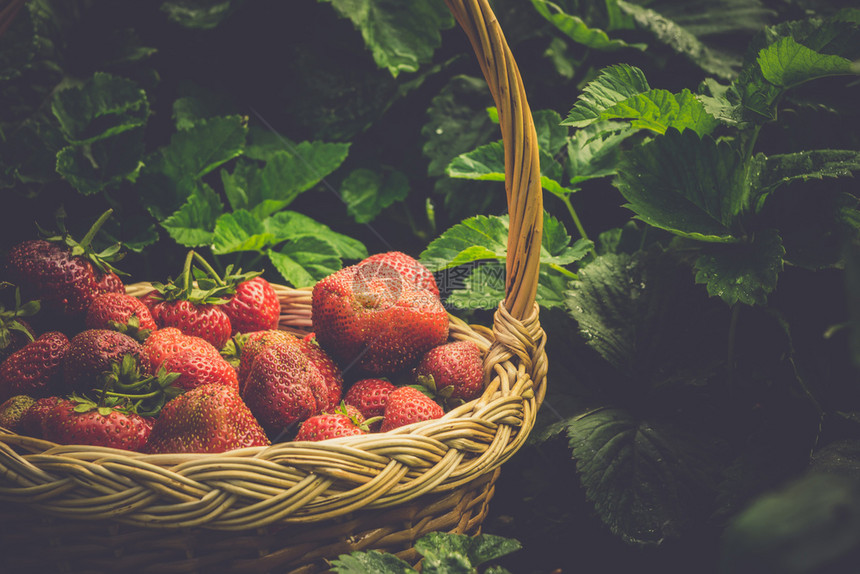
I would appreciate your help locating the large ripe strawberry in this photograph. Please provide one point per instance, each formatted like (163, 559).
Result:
(13, 410)
(283, 388)
(254, 343)
(121, 312)
(410, 269)
(34, 417)
(328, 369)
(91, 354)
(163, 343)
(15, 331)
(369, 396)
(64, 274)
(253, 307)
(210, 418)
(36, 369)
(81, 421)
(196, 369)
(407, 405)
(330, 425)
(372, 320)
(454, 371)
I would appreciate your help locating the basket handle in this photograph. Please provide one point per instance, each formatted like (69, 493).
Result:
(522, 163)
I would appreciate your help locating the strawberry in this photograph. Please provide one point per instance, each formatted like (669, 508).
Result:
(411, 270)
(13, 410)
(64, 274)
(91, 353)
(31, 422)
(283, 388)
(369, 396)
(195, 369)
(370, 318)
(209, 418)
(330, 425)
(163, 343)
(82, 421)
(407, 405)
(120, 312)
(15, 331)
(253, 307)
(254, 343)
(36, 369)
(454, 371)
(327, 368)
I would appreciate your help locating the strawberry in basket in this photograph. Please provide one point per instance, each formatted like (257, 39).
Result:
(453, 371)
(370, 317)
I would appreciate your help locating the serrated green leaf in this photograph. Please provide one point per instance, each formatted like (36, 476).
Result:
(488, 232)
(103, 106)
(787, 64)
(690, 186)
(240, 230)
(305, 260)
(202, 104)
(367, 192)
(551, 135)
(593, 152)
(778, 170)
(468, 287)
(401, 35)
(286, 225)
(372, 562)
(193, 225)
(17, 45)
(659, 110)
(645, 478)
(578, 31)
(263, 143)
(104, 163)
(614, 84)
(202, 14)
(745, 272)
(453, 563)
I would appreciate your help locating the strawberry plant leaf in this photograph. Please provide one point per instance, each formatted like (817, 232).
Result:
(201, 14)
(305, 260)
(578, 31)
(369, 562)
(614, 84)
(401, 35)
(593, 152)
(103, 106)
(440, 547)
(240, 230)
(193, 225)
(551, 135)
(778, 170)
(489, 232)
(17, 46)
(286, 225)
(659, 110)
(367, 192)
(103, 163)
(484, 286)
(787, 64)
(690, 186)
(745, 272)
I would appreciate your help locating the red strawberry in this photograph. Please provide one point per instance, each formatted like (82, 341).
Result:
(64, 274)
(197, 369)
(120, 312)
(199, 319)
(253, 307)
(407, 405)
(81, 421)
(31, 423)
(369, 396)
(327, 368)
(283, 388)
(454, 371)
(36, 369)
(91, 354)
(329, 425)
(168, 341)
(254, 343)
(411, 270)
(372, 319)
(209, 418)
(12, 411)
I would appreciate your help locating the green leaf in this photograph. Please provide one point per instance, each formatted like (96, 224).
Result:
(488, 232)
(645, 478)
(240, 230)
(17, 45)
(578, 31)
(199, 104)
(202, 14)
(477, 550)
(470, 287)
(104, 163)
(614, 84)
(778, 170)
(367, 192)
(372, 562)
(287, 225)
(555, 244)
(551, 135)
(305, 260)
(193, 225)
(658, 110)
(691, 186)
(786, 63)
(593, 152)
(744, 272)
(103, 106)
(401, 35)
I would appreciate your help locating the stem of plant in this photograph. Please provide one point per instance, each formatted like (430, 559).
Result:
(566, 200)
(564, 271)
(730, 354)
(208, 268)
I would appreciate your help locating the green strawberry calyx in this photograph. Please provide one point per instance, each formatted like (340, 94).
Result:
(9, 317)
(146, 394)
(102, 260)
(201, 284)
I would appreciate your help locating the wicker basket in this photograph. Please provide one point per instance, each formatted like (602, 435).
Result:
(293, 506)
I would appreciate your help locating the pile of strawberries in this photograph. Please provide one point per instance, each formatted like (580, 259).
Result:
(198, 363)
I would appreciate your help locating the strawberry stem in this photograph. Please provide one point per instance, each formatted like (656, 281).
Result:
(209, 269)
(186, 271)
(88, 238)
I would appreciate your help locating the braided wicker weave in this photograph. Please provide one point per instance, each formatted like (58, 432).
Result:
(292, 506)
